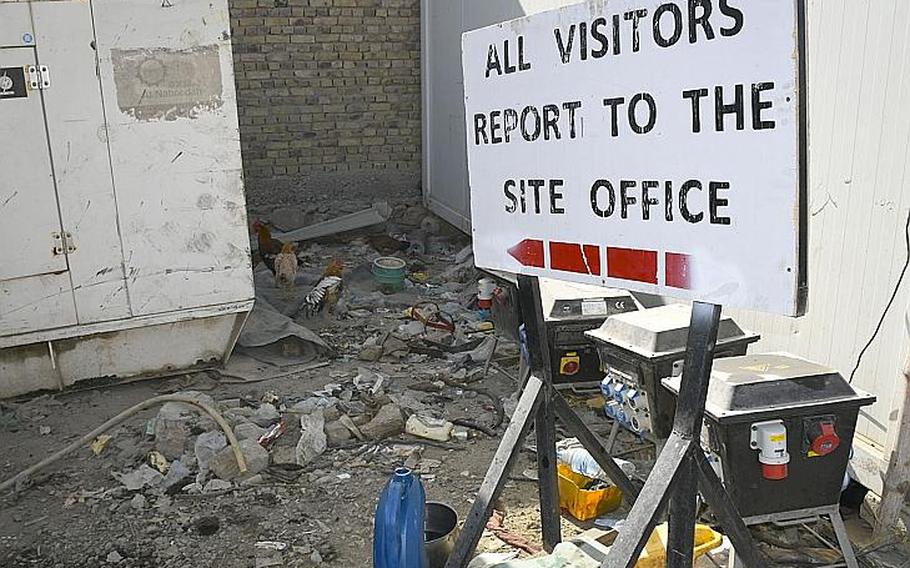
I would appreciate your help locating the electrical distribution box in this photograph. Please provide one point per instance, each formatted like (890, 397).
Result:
(570, 310)
(639, 349)
(781, 428)
(122, 214)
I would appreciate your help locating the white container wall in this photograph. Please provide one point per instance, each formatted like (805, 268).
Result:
(122, 213)
(859, 129)
(445, 161)
(859, 85)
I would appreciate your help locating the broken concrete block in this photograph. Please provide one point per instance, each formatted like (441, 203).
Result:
(138, 502)
(171, 436)
(176, 475)
(172, 425)
(313, 403)
(248, 431)
(337, 433)
(216, 485)
(370, 353)
(387, 422)
(265, 415)
(312, 441)
(331, 413)
(224, 464)
(282, 455)
(207, 445)
(143, 476)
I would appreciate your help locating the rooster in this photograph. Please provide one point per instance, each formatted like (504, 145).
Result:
(285, 264)
(269, 247)
(326, 292)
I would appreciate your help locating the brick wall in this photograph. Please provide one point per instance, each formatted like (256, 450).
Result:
(327, 89)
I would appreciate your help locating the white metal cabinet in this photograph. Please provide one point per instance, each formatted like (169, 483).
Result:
(64, 38)
(171, 107)
(131, 153)
(34, 281)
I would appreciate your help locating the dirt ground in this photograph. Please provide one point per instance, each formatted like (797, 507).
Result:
(78, 514)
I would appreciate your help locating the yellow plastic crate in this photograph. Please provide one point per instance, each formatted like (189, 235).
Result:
(655, 553)
(582, 504)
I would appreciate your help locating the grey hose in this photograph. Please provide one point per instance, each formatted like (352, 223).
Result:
(216, 416)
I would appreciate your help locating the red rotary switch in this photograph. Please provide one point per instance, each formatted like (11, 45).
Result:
(823, 438)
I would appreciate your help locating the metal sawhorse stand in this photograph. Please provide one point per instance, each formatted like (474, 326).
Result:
(678, 475)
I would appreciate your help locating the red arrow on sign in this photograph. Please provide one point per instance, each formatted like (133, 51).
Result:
(573, 257)
(528, 252)
(622, 263)
(566, 257)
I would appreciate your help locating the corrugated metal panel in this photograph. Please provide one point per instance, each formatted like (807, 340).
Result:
(859, 84)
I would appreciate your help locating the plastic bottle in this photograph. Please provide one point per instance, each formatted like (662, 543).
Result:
(398, 535)
(582, 462)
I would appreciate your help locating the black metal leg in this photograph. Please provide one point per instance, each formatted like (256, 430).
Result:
(681, 517)
(690, 406)
(674, 468)
(497, 475)
(687, 423)
(594, 445)
(725, 511)
(650, 503)
(548, 482)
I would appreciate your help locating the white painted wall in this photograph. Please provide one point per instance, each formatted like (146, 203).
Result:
(859, 85)
(859, 121)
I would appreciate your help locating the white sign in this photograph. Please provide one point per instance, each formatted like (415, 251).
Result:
(644, 144)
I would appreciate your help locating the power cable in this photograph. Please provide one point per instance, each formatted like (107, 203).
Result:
(897, 287)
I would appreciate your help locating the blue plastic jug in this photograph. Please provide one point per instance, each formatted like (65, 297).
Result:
(398, 534)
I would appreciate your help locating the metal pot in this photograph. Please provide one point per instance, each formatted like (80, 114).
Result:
(440, 532)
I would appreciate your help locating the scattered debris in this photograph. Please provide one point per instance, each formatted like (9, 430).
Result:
(159, 462)
(429, 428)
(388, 422)
(313, 440)
(274, 432)
(314, 444)
(496, 525)
(378, 213)
(99, 443)
(224, 464)
(140, 478)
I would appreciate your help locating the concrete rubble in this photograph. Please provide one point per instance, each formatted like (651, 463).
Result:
(342, 425)
(410, 384)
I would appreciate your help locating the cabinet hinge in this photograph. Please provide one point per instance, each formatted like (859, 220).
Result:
(39, 77)
(63, 243)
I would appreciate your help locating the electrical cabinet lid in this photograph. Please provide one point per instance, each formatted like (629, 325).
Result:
(662, 331)
(744, 387)
(563, 300)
